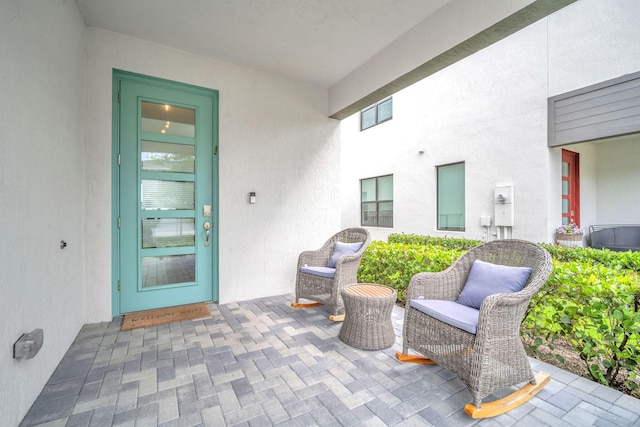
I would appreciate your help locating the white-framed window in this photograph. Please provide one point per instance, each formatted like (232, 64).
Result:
(376, 201)
(451, 197)
(377, 113)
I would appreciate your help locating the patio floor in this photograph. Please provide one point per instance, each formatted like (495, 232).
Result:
(262, 363)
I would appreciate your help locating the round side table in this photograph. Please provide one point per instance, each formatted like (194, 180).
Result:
(367, 323)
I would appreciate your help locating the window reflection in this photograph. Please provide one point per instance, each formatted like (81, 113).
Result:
(168, 119)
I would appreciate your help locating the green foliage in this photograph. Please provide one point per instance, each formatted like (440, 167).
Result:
(596, 309)
(442, 242)
(591, 300)
(626, 260)
(393, 264)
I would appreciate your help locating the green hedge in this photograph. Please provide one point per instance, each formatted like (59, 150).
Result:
(441, 242)
(393, 264)
(616, 260)
(591, 300)
(594, 308)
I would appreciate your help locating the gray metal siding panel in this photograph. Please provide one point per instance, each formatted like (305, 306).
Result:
(612, 117)
(600, 111)
(577, 97)
(597, 131)
(564, 115)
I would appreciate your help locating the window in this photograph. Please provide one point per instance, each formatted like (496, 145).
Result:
(377, 201)
(451, 197)
(376, 114)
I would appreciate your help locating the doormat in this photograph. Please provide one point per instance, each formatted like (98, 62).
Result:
(161, 316)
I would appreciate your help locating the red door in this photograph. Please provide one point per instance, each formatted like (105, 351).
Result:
(570, 187)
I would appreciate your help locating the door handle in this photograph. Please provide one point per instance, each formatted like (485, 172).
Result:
(207, 227)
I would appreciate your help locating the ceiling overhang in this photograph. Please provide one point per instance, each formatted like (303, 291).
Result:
(384, 74)
(360, 51)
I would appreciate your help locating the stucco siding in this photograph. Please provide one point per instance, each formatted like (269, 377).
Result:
(592, 41)
(275, 139)
(41, 191)
(482, 110)
(618, 173)
(490, 111)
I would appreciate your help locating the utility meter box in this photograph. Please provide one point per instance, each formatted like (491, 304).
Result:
(503, 200)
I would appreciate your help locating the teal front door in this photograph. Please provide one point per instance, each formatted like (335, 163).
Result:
(166, 226)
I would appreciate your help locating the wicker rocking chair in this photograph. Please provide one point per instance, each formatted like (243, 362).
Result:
(480, 344)
(324, 273)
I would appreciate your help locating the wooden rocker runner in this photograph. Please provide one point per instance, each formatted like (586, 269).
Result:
(305, 305)
(495, 407)
(333, 317)
(467, 320)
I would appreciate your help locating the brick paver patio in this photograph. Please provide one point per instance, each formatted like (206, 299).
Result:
(262, 363)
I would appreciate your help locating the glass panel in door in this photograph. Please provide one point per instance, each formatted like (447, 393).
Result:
(161, 197)
(168, 119)
(167, 157)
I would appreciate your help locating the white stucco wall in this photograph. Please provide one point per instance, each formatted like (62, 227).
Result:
(490, 111)
(473, 111)
(591, 42)
(41, 191)
(589, 194)
(275, 139)
(618, 172)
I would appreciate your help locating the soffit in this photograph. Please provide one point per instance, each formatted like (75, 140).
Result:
(315, 41)
(359, 50)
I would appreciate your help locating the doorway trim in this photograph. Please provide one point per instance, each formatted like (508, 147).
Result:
(573, 186)
(117, 77)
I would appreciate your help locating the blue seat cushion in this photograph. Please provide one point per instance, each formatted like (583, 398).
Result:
(487, 279)
(319, 271)
(449, 312)
(342, 249)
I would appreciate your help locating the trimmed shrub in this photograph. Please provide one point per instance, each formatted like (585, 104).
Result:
(394, 264)
(625, 260)
(596, 309)
(442, 242)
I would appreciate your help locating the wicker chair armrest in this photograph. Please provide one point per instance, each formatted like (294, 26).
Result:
(318, 257)
(344, 277)
(502, 312)
(346, 271)
(493, 302)
(346, 259)
(443, 285)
